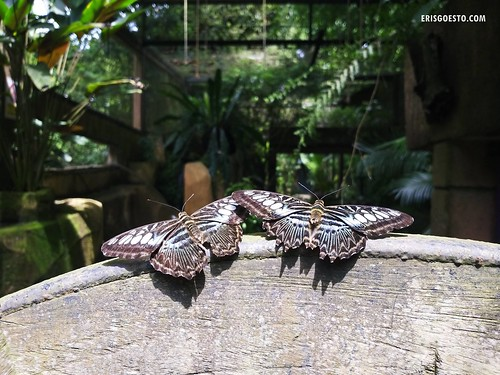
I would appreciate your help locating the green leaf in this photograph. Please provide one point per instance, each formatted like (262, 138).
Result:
(170, 140)
(167, 118)
(114, 7)
(414, 189)
(41, 77)
(427, 8)
(102, 11)
(16, 14)
(55, 38)
(121, 22)
(180, 143)
(95, 87)
(91, 11)
(3, 9)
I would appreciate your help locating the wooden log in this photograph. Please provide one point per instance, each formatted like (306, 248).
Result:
(408, 305)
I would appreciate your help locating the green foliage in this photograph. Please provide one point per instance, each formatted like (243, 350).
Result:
(34, 54)
(388, 173)
(207, 129)
(231, 22)
(287, 168)
(303, 89)
(320, 173)
(104, 60)
(74, 150)
(414, 189)
(204, 121)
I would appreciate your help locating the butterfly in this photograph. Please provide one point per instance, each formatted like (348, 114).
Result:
(178, 247)
(338, 231)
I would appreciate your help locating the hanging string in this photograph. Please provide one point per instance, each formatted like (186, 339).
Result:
(185, 31)
(197, 49)
(264, 29)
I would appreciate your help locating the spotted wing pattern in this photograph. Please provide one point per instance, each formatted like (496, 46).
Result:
(178, 247)
(220, 222)
(338, 231)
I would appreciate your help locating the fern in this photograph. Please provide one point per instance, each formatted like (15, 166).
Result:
(414, 189)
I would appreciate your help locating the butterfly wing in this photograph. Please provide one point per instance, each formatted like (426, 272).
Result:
(335, 239)
(285, 217)
(340, 233)
(220, 222)
(167, 244)
(343, 229)
(289, 231)
(139, 242)
(269, 206)
(180, 255)
(176, 251)
(370, 220)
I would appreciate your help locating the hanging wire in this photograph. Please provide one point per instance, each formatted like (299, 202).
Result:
(197, 49)
(185, 31)
(264, 29)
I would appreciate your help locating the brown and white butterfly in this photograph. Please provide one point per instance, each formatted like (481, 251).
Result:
(338, 231)
(178, 247)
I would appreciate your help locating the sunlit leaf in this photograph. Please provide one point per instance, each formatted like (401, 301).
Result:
(3, 9)
(41, 77)
(95, 87)
(121, 22)
(15, 16)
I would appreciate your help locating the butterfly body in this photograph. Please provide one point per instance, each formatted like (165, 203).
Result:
(337, 231)
(317, 211)
(178, 247)
(193, 230)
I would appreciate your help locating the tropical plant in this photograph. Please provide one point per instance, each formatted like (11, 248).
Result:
(388, 174)
(416, 188)
(387, 169)
(207, 128)
(34, 51)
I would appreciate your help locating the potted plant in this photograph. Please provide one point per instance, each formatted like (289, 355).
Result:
(34, 52)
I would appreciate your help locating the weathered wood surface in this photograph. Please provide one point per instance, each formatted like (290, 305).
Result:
(408, 305)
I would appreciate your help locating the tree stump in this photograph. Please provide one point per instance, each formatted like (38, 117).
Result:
(408, 304)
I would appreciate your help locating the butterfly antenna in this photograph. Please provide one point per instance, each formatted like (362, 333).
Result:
(164, 204)
(187, 200)
(333, 192)
(307, 189)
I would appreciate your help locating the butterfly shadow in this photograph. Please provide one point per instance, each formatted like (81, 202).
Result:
(179, 289)
(326, 273)
(289, 260)
(221, 264)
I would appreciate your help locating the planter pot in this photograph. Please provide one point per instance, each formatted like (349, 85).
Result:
(16, 207)
(197, 185)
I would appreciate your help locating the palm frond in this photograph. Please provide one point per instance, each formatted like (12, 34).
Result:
(414, 189)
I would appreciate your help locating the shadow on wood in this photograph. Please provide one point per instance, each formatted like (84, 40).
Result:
(408, 305)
